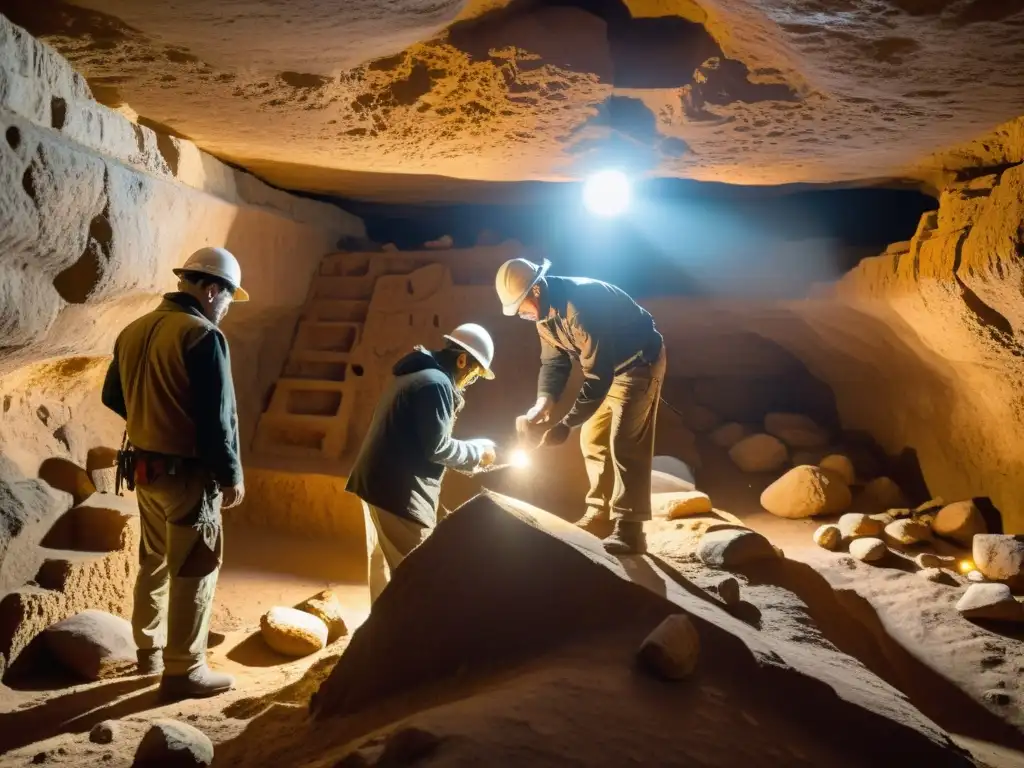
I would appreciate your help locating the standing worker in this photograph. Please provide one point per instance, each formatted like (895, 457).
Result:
(623, 360)
(403, 458)
(171, 381)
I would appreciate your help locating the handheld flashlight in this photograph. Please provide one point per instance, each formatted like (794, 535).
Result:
(519, 459)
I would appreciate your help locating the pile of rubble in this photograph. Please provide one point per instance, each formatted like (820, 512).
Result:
(951, 543)
(992, 569)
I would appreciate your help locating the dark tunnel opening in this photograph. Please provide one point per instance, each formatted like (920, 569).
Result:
(679, 237)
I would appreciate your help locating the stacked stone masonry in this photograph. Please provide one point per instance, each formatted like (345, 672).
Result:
(364, 311)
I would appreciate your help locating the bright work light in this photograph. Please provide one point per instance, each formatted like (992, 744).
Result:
(519, 459)
(606, 193)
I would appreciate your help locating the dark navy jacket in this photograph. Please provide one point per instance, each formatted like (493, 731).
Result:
(409, 444)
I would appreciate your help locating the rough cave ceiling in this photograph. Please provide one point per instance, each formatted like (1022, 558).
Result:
(342, 96)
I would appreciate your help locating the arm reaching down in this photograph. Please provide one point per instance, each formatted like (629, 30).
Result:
(213, 397)
(598, 374)
(113, 392)
(555, 369)
(435, 416)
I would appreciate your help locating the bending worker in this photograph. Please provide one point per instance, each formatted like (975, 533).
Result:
(623, 360)
(397, 473)
(171, 380)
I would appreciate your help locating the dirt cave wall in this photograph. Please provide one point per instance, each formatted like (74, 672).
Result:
(921, 344)
(98, 210)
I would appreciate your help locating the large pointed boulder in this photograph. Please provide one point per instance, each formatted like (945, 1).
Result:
(505, 603)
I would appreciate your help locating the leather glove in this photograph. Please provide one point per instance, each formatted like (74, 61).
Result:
(557, 435)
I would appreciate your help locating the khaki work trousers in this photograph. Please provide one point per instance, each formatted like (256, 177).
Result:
(389, 540)
(180, 558)
(618, 443)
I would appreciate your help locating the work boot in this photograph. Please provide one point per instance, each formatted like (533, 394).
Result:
(594, 519)
(627, 538)
(150, 661)
(199, 683)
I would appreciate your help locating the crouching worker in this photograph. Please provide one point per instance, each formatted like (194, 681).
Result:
(398, 471)
(171, 381)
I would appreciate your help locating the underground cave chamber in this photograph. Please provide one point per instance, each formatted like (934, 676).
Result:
(828, 325)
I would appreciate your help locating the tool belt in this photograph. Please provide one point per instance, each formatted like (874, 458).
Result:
(138, 467)
(125, 475)
(150, 467)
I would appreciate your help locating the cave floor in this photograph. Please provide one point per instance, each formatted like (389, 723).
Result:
(965, 677)
(261, 569)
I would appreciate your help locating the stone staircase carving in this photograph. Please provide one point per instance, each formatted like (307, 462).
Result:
(363, 310)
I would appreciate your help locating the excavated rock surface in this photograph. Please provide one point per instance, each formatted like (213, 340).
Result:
(497, 650)
(948, 310)
(942, 311)
(88, 559)
(29, 508)
(344, 98)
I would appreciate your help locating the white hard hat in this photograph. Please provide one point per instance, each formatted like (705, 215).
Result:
(514, 280)
(218, 262)
(477, 341)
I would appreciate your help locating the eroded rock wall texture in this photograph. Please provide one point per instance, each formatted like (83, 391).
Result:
(336, 96)
(952, 303)
(921, 344)
(95, 211)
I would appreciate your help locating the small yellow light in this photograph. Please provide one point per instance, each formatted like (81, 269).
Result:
(519, 458)
(966, 566)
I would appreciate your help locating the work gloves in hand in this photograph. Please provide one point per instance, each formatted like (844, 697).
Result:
(488, 451)
(557, 435)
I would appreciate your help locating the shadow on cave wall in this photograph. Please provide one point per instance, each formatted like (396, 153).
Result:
(54, 18)
(667, 52)
(659, 52)
(627, 135)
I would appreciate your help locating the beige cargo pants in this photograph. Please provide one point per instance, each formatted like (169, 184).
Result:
(618, 443)
(389, 540)
(180, 558)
